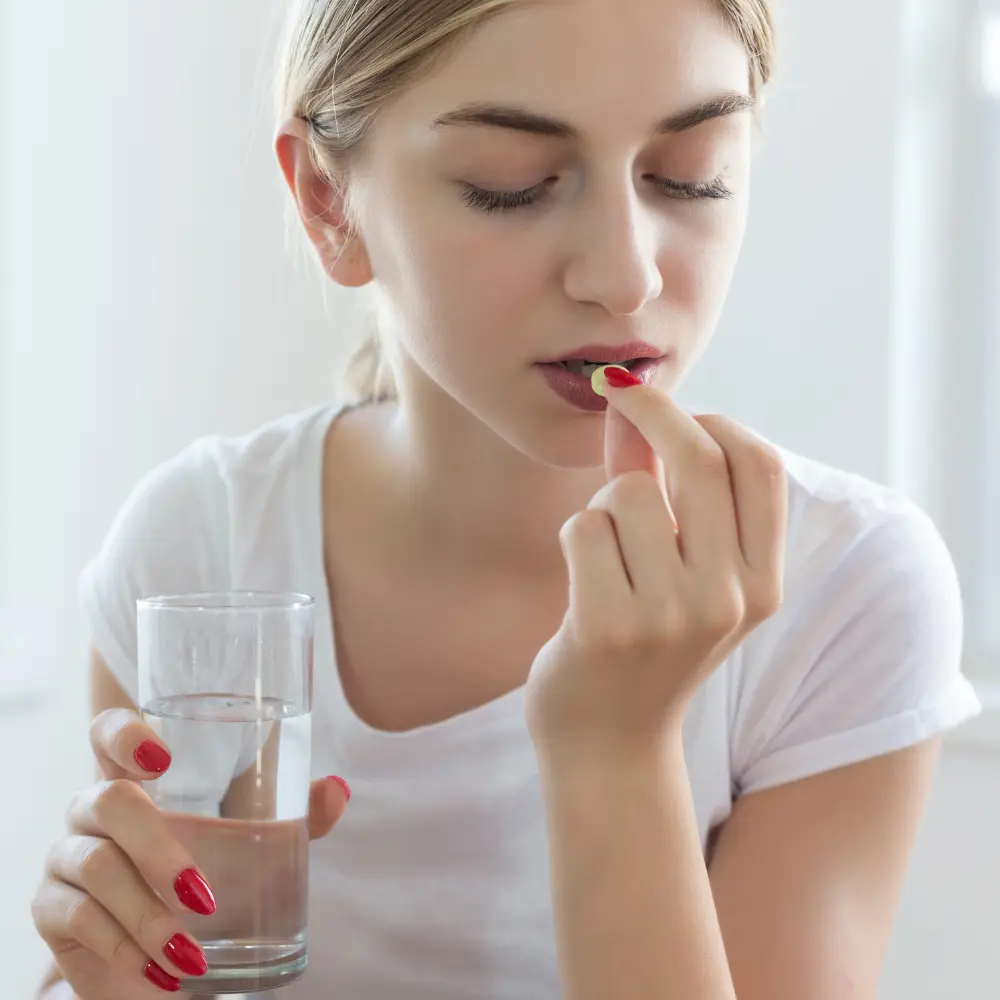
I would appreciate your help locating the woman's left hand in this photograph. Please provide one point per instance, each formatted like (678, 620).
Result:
(654, 610)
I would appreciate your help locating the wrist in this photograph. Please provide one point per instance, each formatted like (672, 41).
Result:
(576, 763)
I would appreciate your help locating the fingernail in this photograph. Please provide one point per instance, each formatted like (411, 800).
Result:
(186, 955)
(194, 892)
(158, 977)
(152, 757)
(597, 378)
(619, 378)
(343, 784)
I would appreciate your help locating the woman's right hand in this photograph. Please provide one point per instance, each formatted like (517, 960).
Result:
(117, 885)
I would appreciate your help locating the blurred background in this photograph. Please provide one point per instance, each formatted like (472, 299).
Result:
(150, 293)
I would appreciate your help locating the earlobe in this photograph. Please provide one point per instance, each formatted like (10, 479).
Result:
(345, 259)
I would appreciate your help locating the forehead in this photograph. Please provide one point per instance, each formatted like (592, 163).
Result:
(623, 62)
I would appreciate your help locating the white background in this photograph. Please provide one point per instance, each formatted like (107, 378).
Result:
(148, 296)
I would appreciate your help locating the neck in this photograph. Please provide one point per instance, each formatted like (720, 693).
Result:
(457, 495)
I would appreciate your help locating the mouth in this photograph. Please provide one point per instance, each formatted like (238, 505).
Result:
(588, 358)
(586, 368)
(570, 377)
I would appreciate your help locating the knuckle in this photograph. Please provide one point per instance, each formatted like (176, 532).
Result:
(117, 795)
(99, 863)
(664, 629)
(120, 953)
(99, 723)
(79, 802)
(113, 731)
(583, 525)
(608, 638)
(723, 611)
(41, 909)
(54, 856)
(709, 459)
(81, 914)
(764, 600)
(147, 923)
(634, 488)
(769, 460)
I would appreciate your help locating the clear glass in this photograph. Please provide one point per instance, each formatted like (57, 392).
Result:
(226, 682)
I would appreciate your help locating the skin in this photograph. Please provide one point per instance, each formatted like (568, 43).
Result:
(480, 481)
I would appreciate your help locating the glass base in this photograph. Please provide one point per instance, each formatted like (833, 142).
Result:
(242, 968)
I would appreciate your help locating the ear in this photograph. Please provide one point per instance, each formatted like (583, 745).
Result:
(322, 208)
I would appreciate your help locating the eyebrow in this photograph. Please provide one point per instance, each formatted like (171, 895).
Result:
(522, 120)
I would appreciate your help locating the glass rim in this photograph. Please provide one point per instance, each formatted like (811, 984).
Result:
(250, 601)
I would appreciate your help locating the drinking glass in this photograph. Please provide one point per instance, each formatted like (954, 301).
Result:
(225, 680)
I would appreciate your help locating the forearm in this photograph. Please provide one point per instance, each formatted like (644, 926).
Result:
(633, 906)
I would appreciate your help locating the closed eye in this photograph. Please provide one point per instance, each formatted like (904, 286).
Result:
(486, 200)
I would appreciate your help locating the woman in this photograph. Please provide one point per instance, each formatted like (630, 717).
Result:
(660, 702)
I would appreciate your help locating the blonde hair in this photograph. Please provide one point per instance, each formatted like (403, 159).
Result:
(345, 59)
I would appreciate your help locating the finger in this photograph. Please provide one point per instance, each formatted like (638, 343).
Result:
(696, 472)
(64, 915)
(126, 747)
(626, 450)
(598, 580)
(123, 812)
(645, 534)
(760, 491)
(101, 869)
(328, 799)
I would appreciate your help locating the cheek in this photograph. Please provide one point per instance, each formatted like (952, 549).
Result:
(699, 258)
(455, 271)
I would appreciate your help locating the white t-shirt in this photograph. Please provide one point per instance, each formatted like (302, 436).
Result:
(434, 885)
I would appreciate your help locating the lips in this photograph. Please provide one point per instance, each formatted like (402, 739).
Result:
(576, 389)
(609, 354)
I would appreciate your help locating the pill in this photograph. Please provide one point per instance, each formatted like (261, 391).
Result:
(597, 379)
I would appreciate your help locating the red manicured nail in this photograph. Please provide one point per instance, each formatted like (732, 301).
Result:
(194, 892)
(343, 784)
(158, 977)
(152, 757)
(186, 955)
(618, 378)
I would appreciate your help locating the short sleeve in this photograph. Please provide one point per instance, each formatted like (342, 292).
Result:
(865, 659)
(169, 537)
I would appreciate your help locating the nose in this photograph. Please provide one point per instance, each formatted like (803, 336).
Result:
(613, 260)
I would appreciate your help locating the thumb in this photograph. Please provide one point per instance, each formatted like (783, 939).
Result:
(328, 799)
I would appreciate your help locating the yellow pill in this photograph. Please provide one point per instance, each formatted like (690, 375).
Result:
(597, 379)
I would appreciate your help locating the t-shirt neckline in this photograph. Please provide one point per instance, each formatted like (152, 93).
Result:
(497, 712)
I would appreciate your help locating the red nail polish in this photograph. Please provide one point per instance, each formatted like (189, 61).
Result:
(186, 955)
(618, 378)
(152, 757)
(343, 784)
(194, 892)
(158, 977)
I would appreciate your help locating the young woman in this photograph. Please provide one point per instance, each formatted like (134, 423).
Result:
(592, 756)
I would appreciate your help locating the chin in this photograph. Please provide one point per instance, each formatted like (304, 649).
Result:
(571, 440)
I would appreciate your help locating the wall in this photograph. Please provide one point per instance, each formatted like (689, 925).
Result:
(149, 297)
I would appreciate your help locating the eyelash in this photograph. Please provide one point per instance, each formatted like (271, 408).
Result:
(507, 201)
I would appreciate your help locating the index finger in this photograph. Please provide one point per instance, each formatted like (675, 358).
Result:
(691, 458)
(127, 747)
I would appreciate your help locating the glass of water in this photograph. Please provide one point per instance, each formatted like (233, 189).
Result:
(226, 681)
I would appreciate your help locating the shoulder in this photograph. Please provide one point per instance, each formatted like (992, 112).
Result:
(184, 512)
(194, 521)
(864, 654)
(845, 530)
(207, 474)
